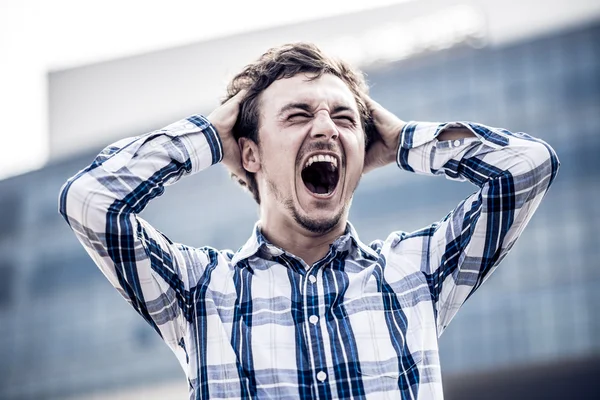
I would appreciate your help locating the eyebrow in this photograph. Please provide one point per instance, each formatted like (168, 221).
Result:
(292, 106)
(306, 107)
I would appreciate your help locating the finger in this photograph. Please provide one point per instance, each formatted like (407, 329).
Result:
(239, 96)
(371, 104)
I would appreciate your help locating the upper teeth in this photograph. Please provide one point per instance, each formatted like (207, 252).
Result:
(321, 158)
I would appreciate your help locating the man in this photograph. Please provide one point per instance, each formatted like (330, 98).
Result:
(305, 309)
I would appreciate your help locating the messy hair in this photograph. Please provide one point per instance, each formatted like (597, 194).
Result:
(285, 62)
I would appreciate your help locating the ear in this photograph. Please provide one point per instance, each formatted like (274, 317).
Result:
(250, 154)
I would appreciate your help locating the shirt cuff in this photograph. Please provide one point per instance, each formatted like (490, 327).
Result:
(418, 135)
(413, 135)
(210, 134)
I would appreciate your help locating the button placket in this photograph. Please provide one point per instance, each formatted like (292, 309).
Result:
(312, 324)
(313, 319)
(312, 290)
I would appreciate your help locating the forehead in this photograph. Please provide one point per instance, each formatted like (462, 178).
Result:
(328, 90)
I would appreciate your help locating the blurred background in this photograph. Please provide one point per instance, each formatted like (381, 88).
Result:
(77, 76)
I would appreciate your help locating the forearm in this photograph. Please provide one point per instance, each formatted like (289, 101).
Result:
(473, 152)
(101, 204)
(129, 173)
(513, 172)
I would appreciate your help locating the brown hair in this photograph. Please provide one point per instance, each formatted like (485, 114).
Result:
(283, 62)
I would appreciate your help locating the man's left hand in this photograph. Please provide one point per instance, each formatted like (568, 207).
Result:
(385, 146)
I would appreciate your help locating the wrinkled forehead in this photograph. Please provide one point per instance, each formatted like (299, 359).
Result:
(327, 91)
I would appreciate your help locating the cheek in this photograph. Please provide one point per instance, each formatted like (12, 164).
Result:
(354, 147)
(354, 172)
(279, 164)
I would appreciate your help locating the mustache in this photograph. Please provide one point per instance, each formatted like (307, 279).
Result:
(319, 146)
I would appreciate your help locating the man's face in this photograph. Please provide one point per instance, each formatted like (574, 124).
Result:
(311, 150)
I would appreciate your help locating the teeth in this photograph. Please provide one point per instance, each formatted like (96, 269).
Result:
(321, 158)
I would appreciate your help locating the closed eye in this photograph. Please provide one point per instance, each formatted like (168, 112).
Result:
(345, 118)
(298, 116)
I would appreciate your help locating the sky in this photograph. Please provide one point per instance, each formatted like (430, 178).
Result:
(38, 36)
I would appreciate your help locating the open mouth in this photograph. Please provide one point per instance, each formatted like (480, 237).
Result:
(321, 174)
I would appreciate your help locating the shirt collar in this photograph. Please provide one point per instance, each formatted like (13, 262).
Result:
(257, 242)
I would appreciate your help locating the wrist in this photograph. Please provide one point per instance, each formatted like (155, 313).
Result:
(395, 147)
(393, 154)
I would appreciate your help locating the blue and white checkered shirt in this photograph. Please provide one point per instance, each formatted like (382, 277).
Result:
(363, 322)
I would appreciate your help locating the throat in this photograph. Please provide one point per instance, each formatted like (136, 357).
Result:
(295, 239)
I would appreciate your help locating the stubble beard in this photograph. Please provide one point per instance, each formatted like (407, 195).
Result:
(319, 226)
(313, 225)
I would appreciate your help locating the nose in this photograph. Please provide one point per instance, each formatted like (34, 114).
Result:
(324, 127)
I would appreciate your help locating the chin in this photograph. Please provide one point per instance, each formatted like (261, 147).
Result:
(320, 221)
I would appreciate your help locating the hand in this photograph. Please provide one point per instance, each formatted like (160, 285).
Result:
(223, 119)
(384, 147)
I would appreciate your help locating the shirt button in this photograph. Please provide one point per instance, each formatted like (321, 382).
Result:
(313, 319)
(312, 279)
(456, 143)
(274, 251)
(321, 376)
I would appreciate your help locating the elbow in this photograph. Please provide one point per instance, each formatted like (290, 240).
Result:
(550, 163)
(63, 197)
(555, 162)
(69, 196)
(543, 164)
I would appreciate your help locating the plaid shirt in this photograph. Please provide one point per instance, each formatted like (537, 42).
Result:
(363, 322)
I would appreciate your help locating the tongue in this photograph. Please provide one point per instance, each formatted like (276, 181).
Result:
(316, 189)
(321, 190)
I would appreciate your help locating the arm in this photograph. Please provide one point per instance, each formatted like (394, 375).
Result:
(513, 172)
(101, 203)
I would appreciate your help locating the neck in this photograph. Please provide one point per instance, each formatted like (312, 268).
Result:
(288, 235)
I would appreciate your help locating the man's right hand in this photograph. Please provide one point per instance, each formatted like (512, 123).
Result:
(223, 119)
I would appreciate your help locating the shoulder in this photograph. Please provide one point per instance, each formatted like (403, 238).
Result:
(203, 257)
(404, 250)
(401, 257)
(201, 266)
(393, 240)
(402, 240)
